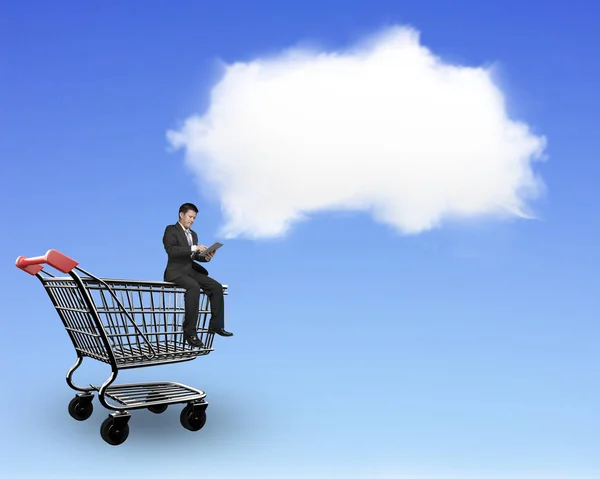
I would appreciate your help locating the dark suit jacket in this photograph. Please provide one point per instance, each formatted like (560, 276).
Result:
(179, 252)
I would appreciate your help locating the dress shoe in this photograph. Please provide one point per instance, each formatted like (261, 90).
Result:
(194, 341)
(219, 331)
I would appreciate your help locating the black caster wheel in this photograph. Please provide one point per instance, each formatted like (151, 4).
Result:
(80, 408)
(114, 433)
(158, 409)
(193, 419)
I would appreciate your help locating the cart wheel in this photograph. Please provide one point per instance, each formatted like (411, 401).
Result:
(80, 409)
(158, 408)
(191, 419)
(113, 435)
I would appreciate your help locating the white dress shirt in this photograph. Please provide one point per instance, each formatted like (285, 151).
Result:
(187, 231)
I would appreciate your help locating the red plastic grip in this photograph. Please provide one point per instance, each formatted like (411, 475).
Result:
(52, 257)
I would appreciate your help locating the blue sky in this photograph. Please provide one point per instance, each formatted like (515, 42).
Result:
(465, 350)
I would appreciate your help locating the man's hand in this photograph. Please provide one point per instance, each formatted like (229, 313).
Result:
(200, 248)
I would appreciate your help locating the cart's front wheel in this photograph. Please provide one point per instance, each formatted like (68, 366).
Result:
(193, 419)
(158, 409)
(114, 434)
(80, 409)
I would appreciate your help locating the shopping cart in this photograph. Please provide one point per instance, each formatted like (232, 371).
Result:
(127, 324)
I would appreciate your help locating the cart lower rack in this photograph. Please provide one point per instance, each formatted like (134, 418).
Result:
(127, 324)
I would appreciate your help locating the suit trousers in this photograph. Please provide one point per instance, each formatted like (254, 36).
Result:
(192, 284)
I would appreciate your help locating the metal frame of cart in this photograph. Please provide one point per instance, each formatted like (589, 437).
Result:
(127, 324)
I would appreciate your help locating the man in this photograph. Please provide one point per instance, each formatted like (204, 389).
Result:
(181, 245)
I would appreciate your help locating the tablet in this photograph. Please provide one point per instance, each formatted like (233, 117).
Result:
(210, 249)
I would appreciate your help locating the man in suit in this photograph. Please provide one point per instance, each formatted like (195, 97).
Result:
(181, 245)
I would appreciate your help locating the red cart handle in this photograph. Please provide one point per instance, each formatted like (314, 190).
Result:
(52, 257)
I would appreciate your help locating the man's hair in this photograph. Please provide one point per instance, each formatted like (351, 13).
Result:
(184, 208)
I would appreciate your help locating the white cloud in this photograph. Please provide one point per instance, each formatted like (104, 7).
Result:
(385, 127)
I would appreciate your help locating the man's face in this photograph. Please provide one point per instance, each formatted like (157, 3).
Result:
(187, 219)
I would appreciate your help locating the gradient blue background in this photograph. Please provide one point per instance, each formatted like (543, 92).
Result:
(463, 352)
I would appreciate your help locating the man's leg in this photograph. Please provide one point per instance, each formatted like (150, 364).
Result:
(214, 291)
(192, 303)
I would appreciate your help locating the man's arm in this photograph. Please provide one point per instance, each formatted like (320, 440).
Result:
(171, 247)
(201, 259)
(197, 257)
